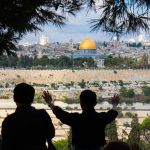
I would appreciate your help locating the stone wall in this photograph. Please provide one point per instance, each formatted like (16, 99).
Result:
(55, 76)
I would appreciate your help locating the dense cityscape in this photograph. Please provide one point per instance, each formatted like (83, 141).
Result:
(130, 54)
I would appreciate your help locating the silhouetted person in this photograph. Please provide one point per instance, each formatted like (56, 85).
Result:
(117, 145)
(88, 128)
(27, 128)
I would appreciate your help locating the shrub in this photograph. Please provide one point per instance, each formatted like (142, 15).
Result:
(100, 100)
(103, 82)
(40, 85)
(125, 108)
(120, 114)
(6, 85)
(146, 123)
(75, 107)
(101, 108)
(126, 124)
(128, 101)
(146, 90)
(120, 82)
(82, 84)
(147, 101)
(38, 98)
(130, 93)
(54, 86)
(123, 91)
(129, 114)
(4, 97)
(126, 93)
(65, 99)
(69, 108)
(61, 144)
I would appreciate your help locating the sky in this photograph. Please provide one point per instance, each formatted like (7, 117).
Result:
(76, 28)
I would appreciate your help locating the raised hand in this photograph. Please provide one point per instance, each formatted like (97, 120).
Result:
(115, 100)
(47, 97)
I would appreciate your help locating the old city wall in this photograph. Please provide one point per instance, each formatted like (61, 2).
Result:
(65, 76)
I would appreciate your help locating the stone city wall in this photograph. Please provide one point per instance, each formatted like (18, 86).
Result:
(65, 76)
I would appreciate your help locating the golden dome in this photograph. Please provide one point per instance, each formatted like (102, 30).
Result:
(87, 44)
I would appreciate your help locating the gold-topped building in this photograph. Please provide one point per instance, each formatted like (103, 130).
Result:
(87, 44)
(87, 49)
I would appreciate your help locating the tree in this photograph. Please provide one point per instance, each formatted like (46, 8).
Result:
(130, 93)
(120, 82)
(82, 84)
(12, 61)
(119, 62)
(145, 126)
(61, 144)
(8, 42)
(116, 16)
(111, 132)
(146, 90)
(143, 62)
(24, 62)
(44, 61)
(84, 63)
(70, 146)
(135, 133)
(122, 16)
(3, 61)
(124, 92)
(31, 14)
(64, 62)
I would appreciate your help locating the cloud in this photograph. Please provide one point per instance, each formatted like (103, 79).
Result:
(77, 28)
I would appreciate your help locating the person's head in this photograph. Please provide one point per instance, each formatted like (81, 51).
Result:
(117, 145)
(23, 94)
(88, 99)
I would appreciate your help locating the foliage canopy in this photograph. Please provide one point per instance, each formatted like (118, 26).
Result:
(122, 16)
(18, 17)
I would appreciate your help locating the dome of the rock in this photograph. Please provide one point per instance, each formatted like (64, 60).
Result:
(87, 44)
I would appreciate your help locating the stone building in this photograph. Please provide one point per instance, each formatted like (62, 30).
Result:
(87, 49)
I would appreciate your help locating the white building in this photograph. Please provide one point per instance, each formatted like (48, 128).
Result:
(44, 40)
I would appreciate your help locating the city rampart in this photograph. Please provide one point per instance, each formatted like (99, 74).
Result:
(65, 76)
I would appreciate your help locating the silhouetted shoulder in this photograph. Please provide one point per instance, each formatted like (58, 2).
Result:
(8, 118)
(43, 112)
(109, 116)
(44, 115)
(50, 130)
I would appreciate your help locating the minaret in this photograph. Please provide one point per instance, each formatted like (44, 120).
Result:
(116, 40)
(71, 45)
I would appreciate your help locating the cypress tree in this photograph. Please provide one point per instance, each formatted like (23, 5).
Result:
(134, 135)
(111, 132)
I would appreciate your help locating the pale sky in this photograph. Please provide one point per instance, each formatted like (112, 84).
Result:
(76, 28)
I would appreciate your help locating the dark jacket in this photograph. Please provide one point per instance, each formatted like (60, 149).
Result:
(27, 129)
(88, 128)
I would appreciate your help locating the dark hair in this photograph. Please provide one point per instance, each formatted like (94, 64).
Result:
(24, 93)
(88, 98)
(117, 145)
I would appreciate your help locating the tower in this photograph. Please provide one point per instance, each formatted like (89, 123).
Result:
(44, 40)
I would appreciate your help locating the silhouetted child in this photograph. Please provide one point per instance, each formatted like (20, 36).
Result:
(27, 128)
(88, 128)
